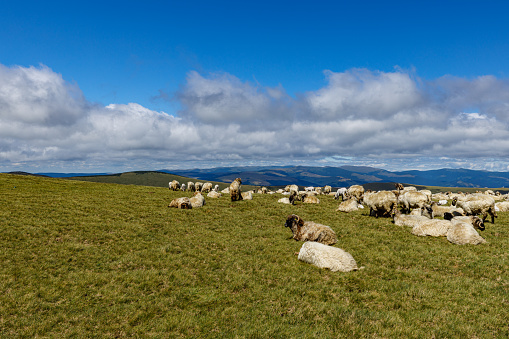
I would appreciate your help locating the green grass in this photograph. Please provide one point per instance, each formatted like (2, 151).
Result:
(82, 259)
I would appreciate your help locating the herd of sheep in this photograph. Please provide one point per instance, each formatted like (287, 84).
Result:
(456, 216)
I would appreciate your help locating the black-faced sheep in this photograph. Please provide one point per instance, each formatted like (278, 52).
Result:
(310, 231)
(324, 256)
(197, 186)
(190, 186)
(235, 190)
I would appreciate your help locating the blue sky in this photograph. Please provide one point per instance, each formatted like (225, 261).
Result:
(123, 85)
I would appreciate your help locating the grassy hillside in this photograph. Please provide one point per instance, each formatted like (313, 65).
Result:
(81, 258)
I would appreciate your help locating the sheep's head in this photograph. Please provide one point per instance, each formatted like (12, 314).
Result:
(454, 201)
(294, 220)
(427, 211)
(477, 223)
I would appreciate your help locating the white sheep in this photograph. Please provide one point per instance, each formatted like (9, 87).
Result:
(477, 204)
(183, 187)
(235, 190)
(247, 195)
(348, 206)
(311, 199)
(207, 187)
(380, 203)
(432, 227)
(174, 185)
(412, 199)
(181, 203)
(327, 189)
(190, 186)
(340, 193)
(214, 194)
(502, 206)
(355, 191)
(323, 256)
(198, 185)
(409, 220)
(197, 200)
(216, 188)
(439, 211)
(310, 231)
(462, 233)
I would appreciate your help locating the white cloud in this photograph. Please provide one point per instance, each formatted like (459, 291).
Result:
(374, 118)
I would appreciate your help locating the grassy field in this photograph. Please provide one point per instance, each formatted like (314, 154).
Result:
(82, 259)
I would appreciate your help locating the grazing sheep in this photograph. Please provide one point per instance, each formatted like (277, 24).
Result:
(380, 203)
(310, 231)
(190, 186)
(182, 203)
(327, 189)
(439, 211)
(207, 187)
(197, 200)
(348, 206)
(216, 188)
(183, 187)
(289, 188)
(197, 186)
(174, 185)
(355, 191)
(214, 194)
(340, 193)
(462, 233)
(324, 256)
(311, 199)
(235, 190)
(477, 205)
(412, 199)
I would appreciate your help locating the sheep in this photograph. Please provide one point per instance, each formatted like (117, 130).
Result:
(289, 188)
(327, 189)
(462, 233)
(323, 256)
(190, 186)
(198, 185)
(477, 205)
(502, 206)
(311, 199)
(207, 187)
(183, 187)
(471, 219)
(400, 219)
(235, 190)
(285, 201)
(341, 192)
(380, 203)
(174, 185)
(355, 191)
(309, 189)
(290, 200)
(226, 190)
(214, 194)
(432, 227)
(310, 231)
(439, 211)
(247, 195)
(348, 206)
(197, 200)
(182, 203)
(318, 190)
(412, 199)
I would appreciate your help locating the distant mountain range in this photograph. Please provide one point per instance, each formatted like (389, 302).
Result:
(345, 176)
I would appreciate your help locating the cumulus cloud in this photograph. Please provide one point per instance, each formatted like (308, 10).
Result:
(359, 116)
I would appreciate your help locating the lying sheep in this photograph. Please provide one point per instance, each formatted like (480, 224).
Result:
(197, 200)
(324, 256)
(462, 233)
(290, 200)
(439, 211)
(400, 219)
(235, 190)
(502, 206)
(348, 206)
(311, 199)
(216, 188)
(477, 205)
(380, 203)
(174, 185)
(214, 194)
(432, 227)
(247, 195)
(310, 231)
(182, 203)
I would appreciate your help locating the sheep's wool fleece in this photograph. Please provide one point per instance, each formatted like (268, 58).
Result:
(463, 233)
(325, 256)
